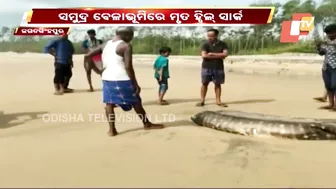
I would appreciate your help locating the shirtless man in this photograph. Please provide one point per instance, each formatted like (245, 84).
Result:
(89, 65)
(120, 86)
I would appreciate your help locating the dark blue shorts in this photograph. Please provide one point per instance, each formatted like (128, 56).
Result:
(217, 76)
(61, 72)
(329, 78)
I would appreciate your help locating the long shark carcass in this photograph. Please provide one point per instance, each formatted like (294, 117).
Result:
(261, 125)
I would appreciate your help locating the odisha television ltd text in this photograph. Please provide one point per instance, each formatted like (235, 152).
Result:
(102, 118)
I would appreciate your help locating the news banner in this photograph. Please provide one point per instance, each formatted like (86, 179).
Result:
(58, 21)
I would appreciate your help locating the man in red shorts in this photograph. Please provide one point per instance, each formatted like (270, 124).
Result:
(89, 65)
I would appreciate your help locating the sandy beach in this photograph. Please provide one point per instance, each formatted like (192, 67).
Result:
(40, 148)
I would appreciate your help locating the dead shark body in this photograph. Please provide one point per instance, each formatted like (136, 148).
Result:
(267, 126)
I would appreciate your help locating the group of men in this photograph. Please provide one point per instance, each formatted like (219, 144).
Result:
(121, 88)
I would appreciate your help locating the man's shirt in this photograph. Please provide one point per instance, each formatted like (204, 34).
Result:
(329, 52)
(161, 63)
(217, 47)
(64, 50)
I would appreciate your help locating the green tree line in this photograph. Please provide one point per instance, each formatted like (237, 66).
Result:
(256, 39)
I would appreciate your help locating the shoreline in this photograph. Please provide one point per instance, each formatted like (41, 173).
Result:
(281, 64)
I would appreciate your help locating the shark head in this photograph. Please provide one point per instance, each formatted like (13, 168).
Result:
(199, 117)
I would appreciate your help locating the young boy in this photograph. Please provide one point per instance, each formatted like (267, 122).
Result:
(329, 65)
(161, 67)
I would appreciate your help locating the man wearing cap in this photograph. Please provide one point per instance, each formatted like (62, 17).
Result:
(89, 64)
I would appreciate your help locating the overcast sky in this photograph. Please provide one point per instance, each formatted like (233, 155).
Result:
(11, 11)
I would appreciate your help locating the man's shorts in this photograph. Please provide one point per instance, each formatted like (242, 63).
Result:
(329, 78)
(217, 76)
(120, 93)
(61, 72)
(163, 85)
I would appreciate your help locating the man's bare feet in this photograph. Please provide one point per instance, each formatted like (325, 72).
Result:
(320, 99)
(221, 104)
(91, 89)
(68, 90)
(163, 102)
(150, 126)
(199, 104)
(112, 132)
(326, 107)
(58, 93)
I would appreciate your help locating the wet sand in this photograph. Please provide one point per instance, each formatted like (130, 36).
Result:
(38, 152)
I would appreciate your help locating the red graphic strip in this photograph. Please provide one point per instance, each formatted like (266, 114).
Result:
(181, 16)
(41, 31)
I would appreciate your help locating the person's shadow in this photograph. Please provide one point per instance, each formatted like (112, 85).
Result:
(97, 90)
(14, 119)
(172, 101)
(84, 91)
(179, 101)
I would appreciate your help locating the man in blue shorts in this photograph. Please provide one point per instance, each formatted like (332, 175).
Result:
(213, 53)
(62, 49)
(328, 49)
(120, 86)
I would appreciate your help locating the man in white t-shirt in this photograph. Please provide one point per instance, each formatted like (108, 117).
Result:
(120, 86)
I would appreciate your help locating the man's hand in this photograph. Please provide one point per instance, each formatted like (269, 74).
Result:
(137, 89)
(102, 70)
(86, 57)
(95, 51)
(71, 63)
(216, 55)
(160, 78)
(318, 44)
(52, 52)
(207, 55)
